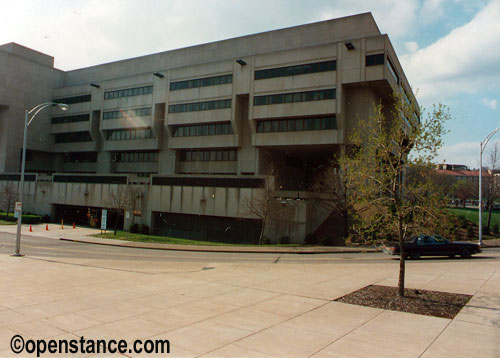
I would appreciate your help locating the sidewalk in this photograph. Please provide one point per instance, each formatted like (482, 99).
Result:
(81, 234)
(220, 309)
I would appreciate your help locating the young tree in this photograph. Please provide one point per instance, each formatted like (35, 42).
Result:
(391, 156)
(120, 200)
(491, 189)
(9, 196)
(464, 190)
(335, 189)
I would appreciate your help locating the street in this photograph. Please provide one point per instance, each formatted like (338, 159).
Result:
(58, 249)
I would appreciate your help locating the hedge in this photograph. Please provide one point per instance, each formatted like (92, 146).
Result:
(27, 218)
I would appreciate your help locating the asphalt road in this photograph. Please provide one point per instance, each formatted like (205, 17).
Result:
(38, 247)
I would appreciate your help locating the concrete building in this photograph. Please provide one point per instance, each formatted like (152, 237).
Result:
(183, 140)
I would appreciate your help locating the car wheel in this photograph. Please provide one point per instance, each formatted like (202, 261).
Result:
(415, 255)
(466, 253)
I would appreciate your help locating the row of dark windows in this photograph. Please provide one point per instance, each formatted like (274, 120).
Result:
(81, 157)
(296, 70)
(129, 134)
(208, 155)
(17, 177)
(199, 106)
(299, 124)
(70, 119)
(129, 92)
(201, 82)
(73, 137)
(98, 179)
(295, 97)
(210, 182)
(124, 113)
(374, 60)
(203, 129)
(132, 157)
(74, 99)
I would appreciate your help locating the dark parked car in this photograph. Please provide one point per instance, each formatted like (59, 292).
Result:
(435, 245)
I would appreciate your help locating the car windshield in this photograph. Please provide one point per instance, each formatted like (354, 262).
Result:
(439, 239)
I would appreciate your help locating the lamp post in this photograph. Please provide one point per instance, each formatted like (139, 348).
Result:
(482, 145)
(27, 121)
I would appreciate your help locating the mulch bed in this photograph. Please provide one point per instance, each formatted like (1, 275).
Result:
(429, 303)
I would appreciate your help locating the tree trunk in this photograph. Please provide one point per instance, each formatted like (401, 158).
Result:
(116, 223)
(402, 257)
(261, 237)
(345, 215)
(489, 215)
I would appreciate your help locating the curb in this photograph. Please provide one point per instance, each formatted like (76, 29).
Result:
(222, 249)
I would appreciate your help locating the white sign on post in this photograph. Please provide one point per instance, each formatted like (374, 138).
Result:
(104, 217)
(17, 208)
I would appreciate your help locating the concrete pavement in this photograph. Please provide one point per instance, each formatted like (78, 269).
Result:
(246, 309)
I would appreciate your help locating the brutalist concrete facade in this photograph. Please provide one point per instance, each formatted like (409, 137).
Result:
(183, 140)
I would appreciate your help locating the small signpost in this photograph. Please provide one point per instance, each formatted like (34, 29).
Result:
(104, 218)
(17, 209)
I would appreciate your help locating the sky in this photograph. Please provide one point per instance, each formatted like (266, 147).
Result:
(449, 49)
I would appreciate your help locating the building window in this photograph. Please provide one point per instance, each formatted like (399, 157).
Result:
(201, 82)
(129, 92)
(297, 124)
(80, 157)
(129, 134)
(374, 60)
(129, 157)
(296, 70)
(73, 137)
(203, 129)
(70, 119)
(74, 99)
(199, 106)
(208, 155)
(295, 97)
(392, 71)
(123, 113)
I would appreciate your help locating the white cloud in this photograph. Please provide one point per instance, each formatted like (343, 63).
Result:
(411, 46)
(432, 10)
(462, 153)
(466, 60)
(491, 103)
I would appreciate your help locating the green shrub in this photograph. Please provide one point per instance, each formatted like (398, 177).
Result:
(327, 241)
(310, 239)
(266, 241)
(134, 228)
(495, 229)
(144, 229)
(283, 240)
(486, 230)
(27, 218)
(46, 219)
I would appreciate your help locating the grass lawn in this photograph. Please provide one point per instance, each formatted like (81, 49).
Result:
(127, 236)
(473, 215)
(3, 222)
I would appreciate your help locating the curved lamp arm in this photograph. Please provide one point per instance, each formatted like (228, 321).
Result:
(41, 106)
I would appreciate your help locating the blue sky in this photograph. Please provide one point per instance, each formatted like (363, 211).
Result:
(449, 49)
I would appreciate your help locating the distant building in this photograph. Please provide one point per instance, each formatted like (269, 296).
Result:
(185, 138)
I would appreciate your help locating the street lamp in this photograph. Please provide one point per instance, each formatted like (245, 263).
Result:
(482, 145)
(27, 121)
